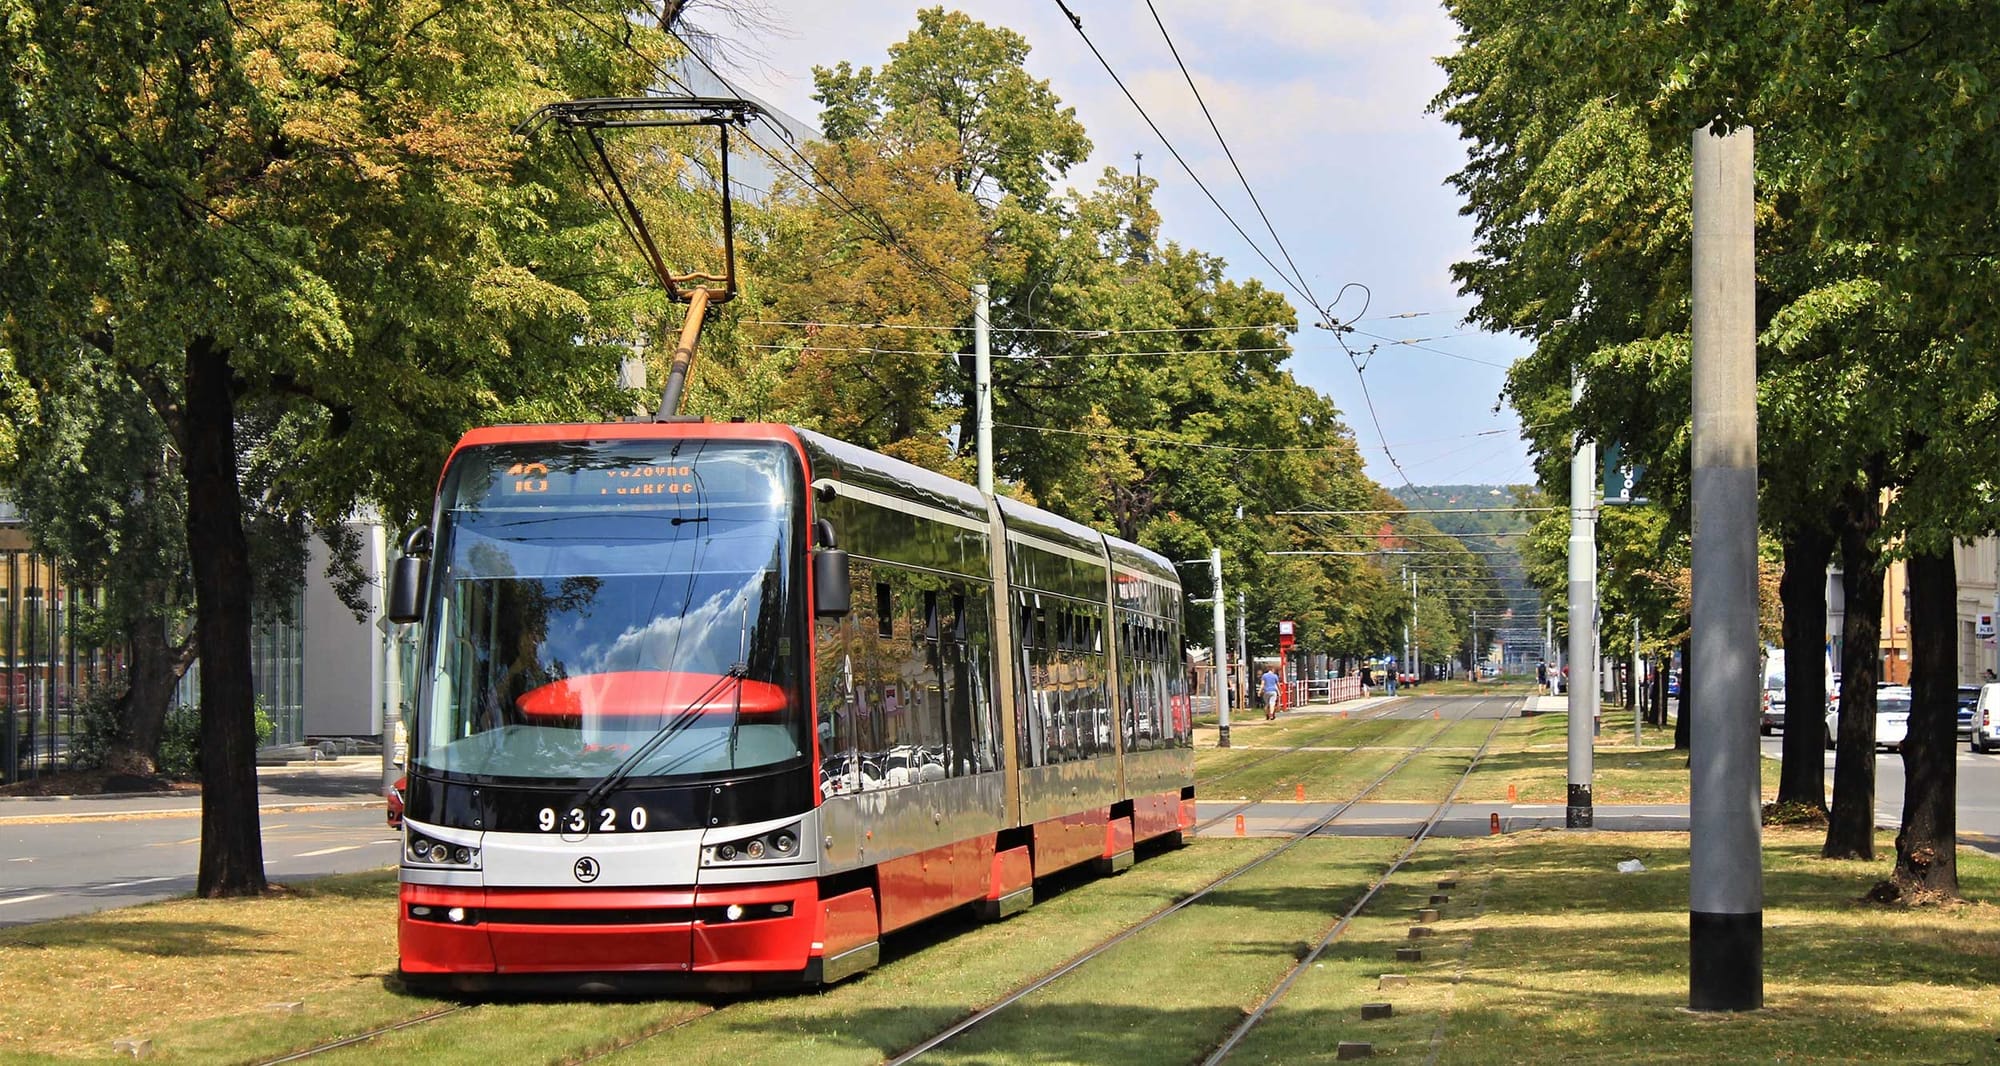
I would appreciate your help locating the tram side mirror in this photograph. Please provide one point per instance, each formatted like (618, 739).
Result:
(833, 593)
(408, 577)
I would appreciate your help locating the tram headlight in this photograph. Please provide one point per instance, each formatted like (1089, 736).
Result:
(422, 849)
(776, 844)
(734, 912)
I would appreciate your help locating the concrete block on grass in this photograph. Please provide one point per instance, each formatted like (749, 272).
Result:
(137, 1047)
(1409, 954)
(1353, 1049)
(1392, 980)
(1418, 932)
(1439, 899)
(1374, 1011)
(1428, 914)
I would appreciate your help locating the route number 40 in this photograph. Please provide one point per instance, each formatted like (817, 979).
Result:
(575, 820)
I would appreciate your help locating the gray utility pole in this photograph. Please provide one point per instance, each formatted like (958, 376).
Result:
(1416, 650)
(1405, 660)
(1638, 682)
(982, 376)
(1582, 687)
(1221, 653)
(1726, 876)
(1242, 647)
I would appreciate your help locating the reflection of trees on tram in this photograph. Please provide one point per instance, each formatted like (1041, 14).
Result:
(905, 691)
(1068, 709)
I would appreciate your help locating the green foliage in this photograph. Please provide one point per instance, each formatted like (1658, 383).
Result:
(180, 742)
(99, 728)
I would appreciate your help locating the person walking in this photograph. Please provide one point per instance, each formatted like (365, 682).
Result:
(1542, 678)
(1270, 684)
(1391, 673)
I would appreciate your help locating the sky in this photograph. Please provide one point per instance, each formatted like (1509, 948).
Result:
(1323, 102)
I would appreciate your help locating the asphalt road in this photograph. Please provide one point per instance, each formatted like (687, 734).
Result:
(1978, 790)
(62, 857)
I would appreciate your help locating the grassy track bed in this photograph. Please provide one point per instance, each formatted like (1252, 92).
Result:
(1544, 953)
(1427, 778)
(1175, 990)
(195, 977)
(1323, 1008)
(1531, 755)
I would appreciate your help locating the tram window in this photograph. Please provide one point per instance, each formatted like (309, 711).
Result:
(885, 616)
(1027, 627)
(1041, 627)
(930, 615)
(958, 617)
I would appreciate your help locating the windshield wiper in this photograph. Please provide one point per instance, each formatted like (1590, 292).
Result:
(610, 781)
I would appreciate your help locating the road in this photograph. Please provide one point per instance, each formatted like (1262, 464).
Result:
(1978, 791)
(66, 857)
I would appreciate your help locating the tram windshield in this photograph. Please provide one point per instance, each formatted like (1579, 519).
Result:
(593, 595)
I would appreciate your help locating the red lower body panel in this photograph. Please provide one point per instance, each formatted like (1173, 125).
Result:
(929, 883)
(1063, 842)
(543, 931)
(1156, 814)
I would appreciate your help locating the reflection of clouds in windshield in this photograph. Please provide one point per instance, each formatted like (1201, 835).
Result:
(707, 636)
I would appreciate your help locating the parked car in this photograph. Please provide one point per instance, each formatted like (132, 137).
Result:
(1968, 697)
(1986, 719)
(1772, 718)
(394, 798)
(1892, 718)
(1674, 685)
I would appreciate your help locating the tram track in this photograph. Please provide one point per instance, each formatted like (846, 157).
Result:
(1385, 713)
(364, 1036)
(1305, 964)
(1083, 958)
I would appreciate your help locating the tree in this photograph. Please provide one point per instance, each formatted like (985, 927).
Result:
(958, 81)
(299, 219)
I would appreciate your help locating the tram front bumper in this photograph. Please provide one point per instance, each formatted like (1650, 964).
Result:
(763, 928)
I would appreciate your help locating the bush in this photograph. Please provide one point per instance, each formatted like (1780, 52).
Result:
(99, 728)
(180, 741)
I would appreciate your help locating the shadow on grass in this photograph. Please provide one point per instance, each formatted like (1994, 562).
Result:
(156, 938)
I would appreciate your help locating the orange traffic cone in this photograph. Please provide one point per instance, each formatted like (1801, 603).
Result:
(1239, 824)
(1299, 792)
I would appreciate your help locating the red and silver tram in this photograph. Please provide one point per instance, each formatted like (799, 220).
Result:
(730, 702)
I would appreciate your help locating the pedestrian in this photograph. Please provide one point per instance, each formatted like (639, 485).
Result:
(1270, 684)
(1542, 678)
(1367, 678)
(1989, 675)
(1390, 675)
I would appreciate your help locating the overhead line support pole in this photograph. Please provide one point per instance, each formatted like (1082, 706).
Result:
(1726, 877)
(1582, 688)
(1221, 653)
(982, 353)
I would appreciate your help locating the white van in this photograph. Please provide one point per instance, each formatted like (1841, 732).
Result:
(1986, 718)
(1772, 710)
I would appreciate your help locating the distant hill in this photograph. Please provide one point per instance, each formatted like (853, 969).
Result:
(1448, 508)
(1446, 498)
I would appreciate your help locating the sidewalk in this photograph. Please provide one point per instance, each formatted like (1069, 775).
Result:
(353, 781)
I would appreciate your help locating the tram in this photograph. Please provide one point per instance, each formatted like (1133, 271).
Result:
(726, 703)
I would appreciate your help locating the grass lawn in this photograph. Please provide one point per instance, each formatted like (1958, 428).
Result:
(1545, 953)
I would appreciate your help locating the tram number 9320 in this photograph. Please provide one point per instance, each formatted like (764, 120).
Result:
(603, 820)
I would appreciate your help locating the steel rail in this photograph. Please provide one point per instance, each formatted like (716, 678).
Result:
(1251, 1020)
(1386, 713)
(362, 1038)
(1036, 985)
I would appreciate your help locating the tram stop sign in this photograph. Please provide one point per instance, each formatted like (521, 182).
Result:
(1284, 634)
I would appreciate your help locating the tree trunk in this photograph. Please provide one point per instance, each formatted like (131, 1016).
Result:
(1682, 713)
(1802, 592)
(1927, 846)
(1850, 825)
(232, 849)
(150, 675)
